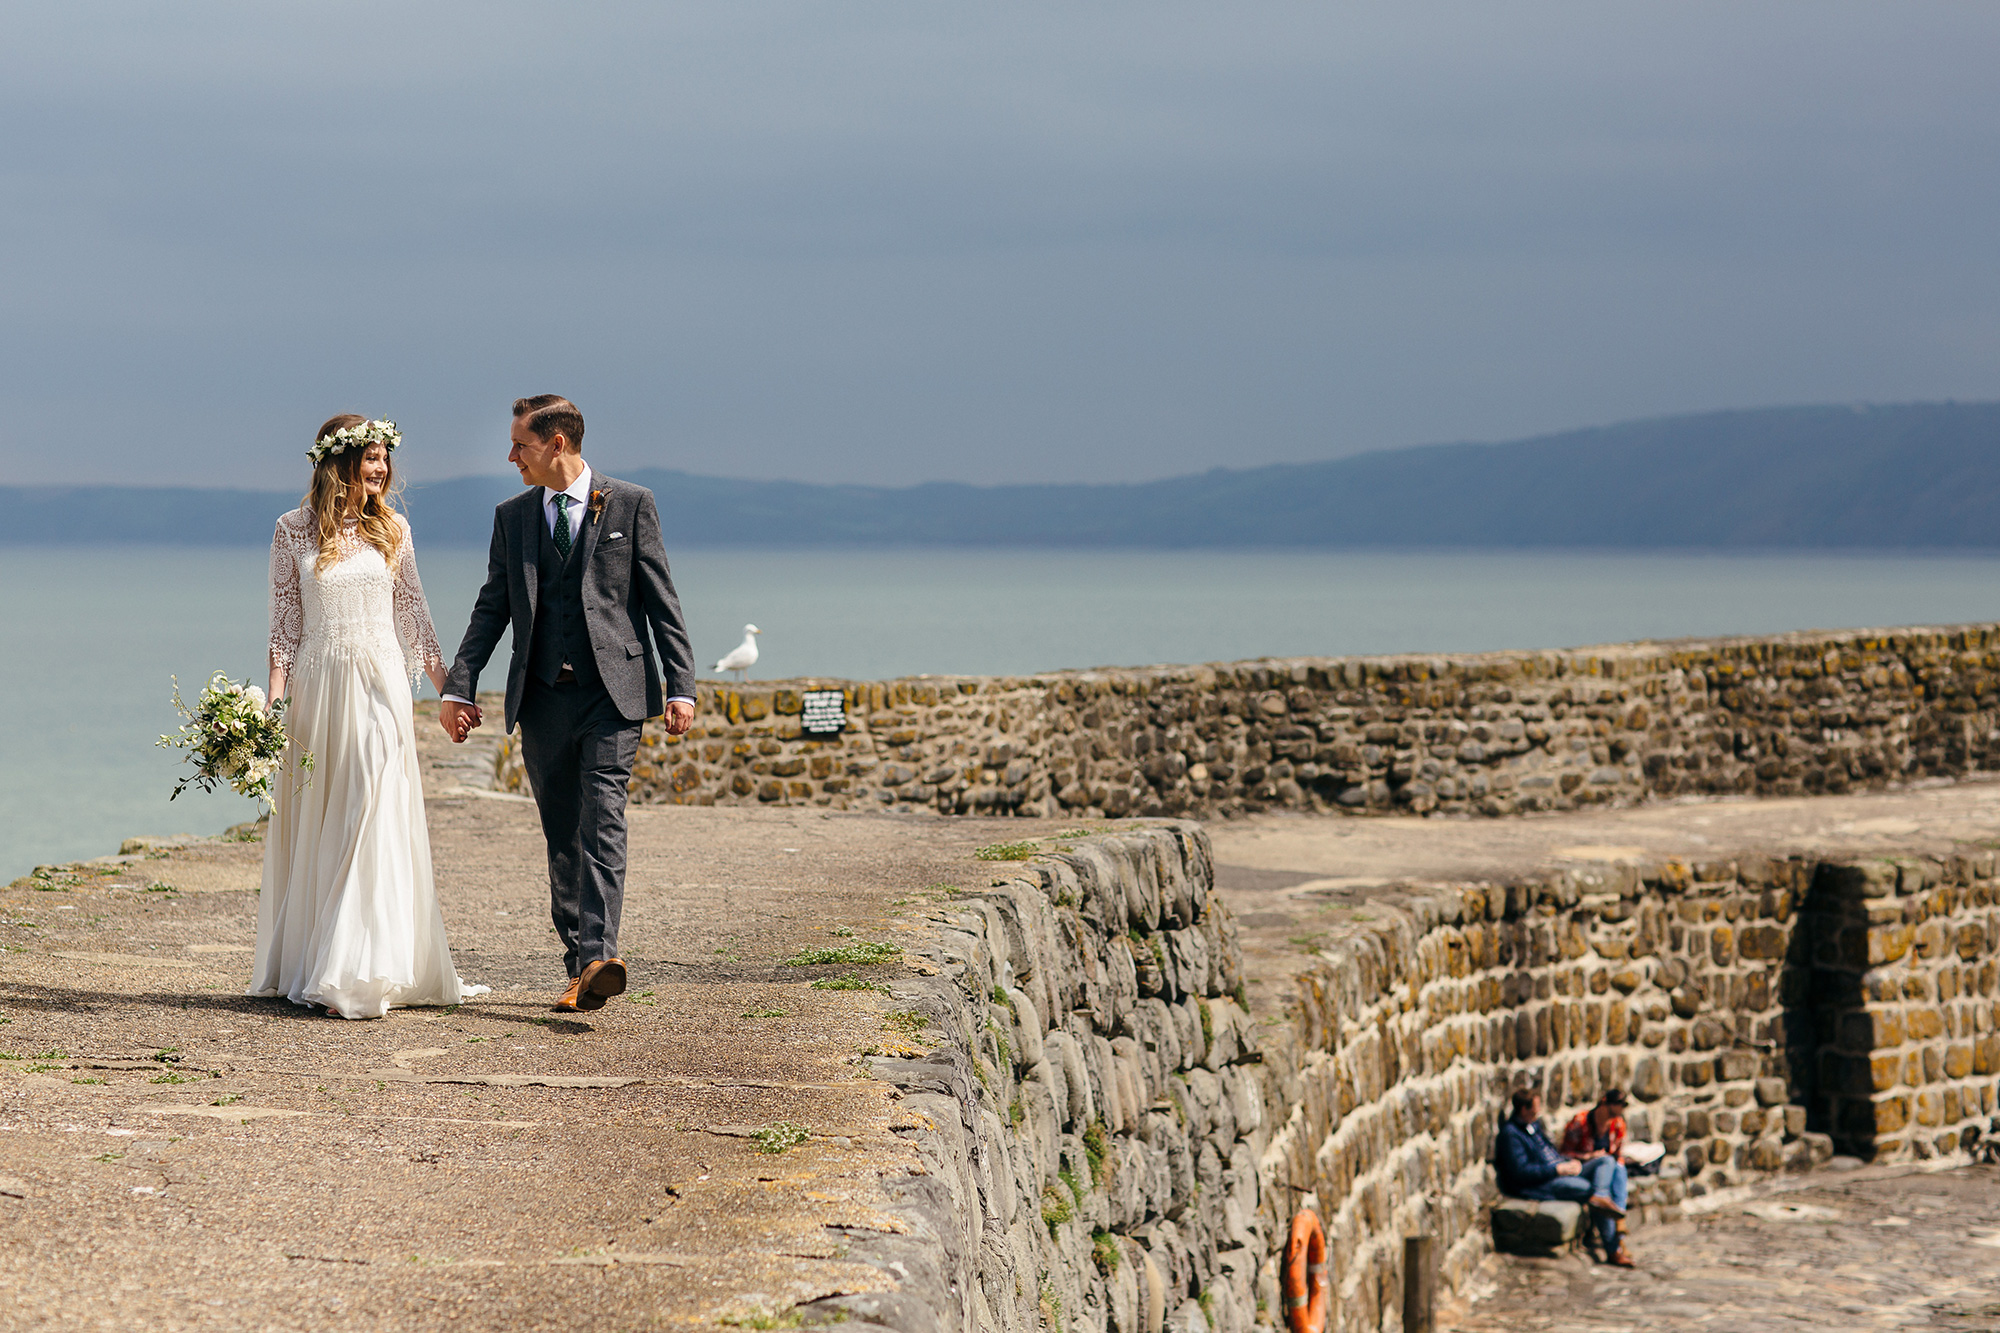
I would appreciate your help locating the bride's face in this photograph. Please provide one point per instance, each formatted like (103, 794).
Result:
(374, 473)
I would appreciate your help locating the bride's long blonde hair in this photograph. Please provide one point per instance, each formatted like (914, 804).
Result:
(334, 478)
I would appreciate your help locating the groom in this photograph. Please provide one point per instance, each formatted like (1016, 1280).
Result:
(578, 571)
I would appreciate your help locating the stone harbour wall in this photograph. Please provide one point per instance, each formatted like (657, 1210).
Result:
(1093, 1103)
(1409, 1031)
(1491, 733)
(1904, 989)
(1126, 1144)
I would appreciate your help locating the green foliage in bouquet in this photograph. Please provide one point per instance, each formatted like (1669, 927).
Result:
(231, 737)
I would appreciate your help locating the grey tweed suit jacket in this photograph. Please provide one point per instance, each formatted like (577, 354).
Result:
(630, 608)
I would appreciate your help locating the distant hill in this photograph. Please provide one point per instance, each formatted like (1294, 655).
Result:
(1908, 476)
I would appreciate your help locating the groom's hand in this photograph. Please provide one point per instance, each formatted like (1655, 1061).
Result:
(457, 719)
(680, 716)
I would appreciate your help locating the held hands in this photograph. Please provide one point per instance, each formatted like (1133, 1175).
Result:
(1569, 1167)
(457, 719)
(680, 716)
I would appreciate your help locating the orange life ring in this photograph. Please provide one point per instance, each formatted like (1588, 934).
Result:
(1305, 1275)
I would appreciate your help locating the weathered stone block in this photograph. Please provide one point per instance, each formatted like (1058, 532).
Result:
(1733, 1065)
(1524, 1226)
(1871, 1029)
(1860, 879)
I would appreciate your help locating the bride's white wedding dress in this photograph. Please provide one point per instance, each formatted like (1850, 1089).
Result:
(348, 915)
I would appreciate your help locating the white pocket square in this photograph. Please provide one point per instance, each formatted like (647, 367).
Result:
(613, 536)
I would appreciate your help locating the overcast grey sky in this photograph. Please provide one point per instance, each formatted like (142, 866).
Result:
(892, 243)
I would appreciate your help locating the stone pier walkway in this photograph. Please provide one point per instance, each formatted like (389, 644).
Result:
(176, 1156)
(708, 1150)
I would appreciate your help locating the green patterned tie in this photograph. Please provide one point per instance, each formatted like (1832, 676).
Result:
(562, 526)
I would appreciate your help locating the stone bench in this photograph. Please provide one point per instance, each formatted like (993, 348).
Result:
(1531, 1226)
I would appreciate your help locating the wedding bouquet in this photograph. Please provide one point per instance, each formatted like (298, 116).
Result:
(232, 737)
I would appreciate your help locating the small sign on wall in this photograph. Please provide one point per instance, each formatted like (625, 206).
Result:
(825, 713)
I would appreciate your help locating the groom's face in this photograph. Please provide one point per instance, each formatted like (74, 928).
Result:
(535, 457)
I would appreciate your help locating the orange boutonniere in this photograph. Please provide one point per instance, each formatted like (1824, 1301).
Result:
(596, 509)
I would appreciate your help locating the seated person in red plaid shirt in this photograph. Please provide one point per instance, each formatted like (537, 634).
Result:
(1596, 1138)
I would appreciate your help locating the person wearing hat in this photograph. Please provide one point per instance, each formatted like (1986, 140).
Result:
(1596, 1139)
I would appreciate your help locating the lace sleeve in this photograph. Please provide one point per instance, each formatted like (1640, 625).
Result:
(287, 607)
(413, 614)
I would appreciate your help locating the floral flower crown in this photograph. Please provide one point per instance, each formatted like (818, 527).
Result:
(383, 433)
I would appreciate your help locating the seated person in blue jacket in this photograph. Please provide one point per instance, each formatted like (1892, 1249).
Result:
(1530, 1167)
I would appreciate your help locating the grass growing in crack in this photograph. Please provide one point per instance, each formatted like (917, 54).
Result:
(87, 1080)
(763, 1013)
(848, 981)
(1068, 1177)
(906, 1021)
(1105, 1251)
(227, 1099)
(1097, 1150)
(790, 1319)
(862, 953)
(1016, 1112)
(107, 1157)
(175, 1076)
(1056, 1210)
(785, 1134)
(1006, 851)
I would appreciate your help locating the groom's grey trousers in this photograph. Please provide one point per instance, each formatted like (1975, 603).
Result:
(578, 751)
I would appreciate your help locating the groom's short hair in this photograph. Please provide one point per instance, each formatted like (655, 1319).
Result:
(549, 414)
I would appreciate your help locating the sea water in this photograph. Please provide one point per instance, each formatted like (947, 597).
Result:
(93, 635)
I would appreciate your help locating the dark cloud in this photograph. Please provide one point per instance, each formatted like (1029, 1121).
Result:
(879, 243)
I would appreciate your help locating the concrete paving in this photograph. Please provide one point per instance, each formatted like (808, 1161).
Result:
(174, 1155)
(1289, 877)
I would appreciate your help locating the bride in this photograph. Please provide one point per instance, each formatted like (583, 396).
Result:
(348, 917)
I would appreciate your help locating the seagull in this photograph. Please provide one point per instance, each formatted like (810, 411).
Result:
(744, 655)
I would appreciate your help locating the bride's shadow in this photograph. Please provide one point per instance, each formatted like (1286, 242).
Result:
(28, 998)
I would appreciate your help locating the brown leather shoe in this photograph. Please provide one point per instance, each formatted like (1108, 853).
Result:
(599, 982)
(1624, 1259)
(569, 1003)
(1603, 1204)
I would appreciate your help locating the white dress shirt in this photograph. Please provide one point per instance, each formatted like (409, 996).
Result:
(579, 500)
(578, 492)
